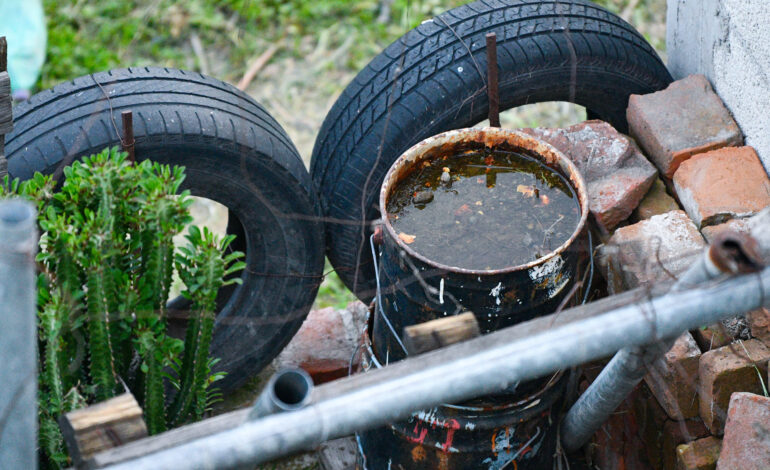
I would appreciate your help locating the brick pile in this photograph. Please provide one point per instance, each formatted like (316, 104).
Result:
(710, 387)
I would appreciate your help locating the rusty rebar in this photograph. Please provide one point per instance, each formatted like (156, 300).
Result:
(128, 134)
(493, 93)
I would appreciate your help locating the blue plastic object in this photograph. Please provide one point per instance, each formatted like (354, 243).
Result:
(23, 24)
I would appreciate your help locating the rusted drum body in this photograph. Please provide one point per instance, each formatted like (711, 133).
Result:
(415, 289)
(512, 431)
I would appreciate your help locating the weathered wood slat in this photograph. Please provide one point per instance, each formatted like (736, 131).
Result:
(441, 332)
(6, 116)
(103, 426)
(3, 54)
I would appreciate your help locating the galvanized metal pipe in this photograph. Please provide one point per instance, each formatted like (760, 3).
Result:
(459, 372)
(629, 365)
(18, 336)
(287, 390)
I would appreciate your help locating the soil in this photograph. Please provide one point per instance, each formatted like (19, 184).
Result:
(484, 210)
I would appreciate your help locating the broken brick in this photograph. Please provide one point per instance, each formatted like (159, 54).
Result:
(651, 251)
(657, 201)
(679, 432)
(325, 342)
(746, 444)
(616, 173)
(737, 367)
(685, 119)
(701, 454)
(723, 184)
(673, 378)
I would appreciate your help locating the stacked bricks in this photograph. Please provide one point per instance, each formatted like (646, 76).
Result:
(711, 383)
(6, 116)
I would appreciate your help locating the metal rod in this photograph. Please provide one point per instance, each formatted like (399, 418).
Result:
(128, 134)
(730, 253)
(493, 92)
(18, 335)
(459, 372)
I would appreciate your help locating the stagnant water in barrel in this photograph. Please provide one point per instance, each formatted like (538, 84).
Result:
(483, 210)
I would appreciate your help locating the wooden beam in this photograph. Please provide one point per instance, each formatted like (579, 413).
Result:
(103, 426)
(438, 333)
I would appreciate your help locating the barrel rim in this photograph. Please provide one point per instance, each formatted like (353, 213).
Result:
(490, 137)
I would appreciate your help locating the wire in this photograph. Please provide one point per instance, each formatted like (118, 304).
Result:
(379, 296)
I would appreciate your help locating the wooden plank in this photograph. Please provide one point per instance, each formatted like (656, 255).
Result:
(339, 454)
(3, 54)
(103, 426)
(6, 115)
(442, 332)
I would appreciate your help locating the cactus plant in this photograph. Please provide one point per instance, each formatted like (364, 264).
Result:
(106, 258)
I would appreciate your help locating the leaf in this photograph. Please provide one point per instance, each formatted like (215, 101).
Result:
(406, 238)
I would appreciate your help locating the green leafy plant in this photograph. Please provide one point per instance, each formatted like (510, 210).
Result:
(107, 257)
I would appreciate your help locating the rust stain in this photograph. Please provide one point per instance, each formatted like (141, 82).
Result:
(443, 461)
(418, 453)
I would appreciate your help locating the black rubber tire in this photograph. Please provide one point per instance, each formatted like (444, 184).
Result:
(234, 153)
(426, 83)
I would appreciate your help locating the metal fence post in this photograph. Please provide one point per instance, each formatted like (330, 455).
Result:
(18, 336)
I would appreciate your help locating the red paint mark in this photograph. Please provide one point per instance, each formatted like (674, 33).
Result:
(420, 438)
(453, 426)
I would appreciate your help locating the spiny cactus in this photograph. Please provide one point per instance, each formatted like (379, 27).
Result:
(107, 257)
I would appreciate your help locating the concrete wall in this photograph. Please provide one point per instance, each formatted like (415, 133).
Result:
(729, 42)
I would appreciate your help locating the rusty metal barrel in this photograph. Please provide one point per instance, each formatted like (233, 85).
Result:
(515, 430)
(415, 289)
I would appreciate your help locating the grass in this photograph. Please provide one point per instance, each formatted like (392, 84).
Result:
(323, 44)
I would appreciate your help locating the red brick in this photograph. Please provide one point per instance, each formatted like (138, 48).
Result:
(673, 378)
(616, 173)
(736, 225)
(651, 251)
(685, 119)
(724, 184)
(651, 418)
(325, 343)
(746, 444)
(679, 432)
(759, 323)
(726, 370)
(698, 455)
(657, 201)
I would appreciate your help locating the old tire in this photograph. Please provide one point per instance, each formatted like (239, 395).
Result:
(234, 153)
(427, 82)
